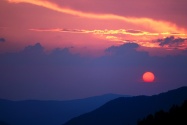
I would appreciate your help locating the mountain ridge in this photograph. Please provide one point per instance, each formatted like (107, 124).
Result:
(123, 110)
(48, 112)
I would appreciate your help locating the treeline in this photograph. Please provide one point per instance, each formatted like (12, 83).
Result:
(3, 123)
(177, 115)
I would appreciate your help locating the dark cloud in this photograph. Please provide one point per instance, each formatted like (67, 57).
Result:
(171, 41)
(32, 73)
(2, 40)
(123, 49)
(36, 49)
(134, 31)
(74, 30)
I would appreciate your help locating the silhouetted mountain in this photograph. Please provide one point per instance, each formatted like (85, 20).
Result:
(32, 112)
(126, 111)
(3, 123)
(177, 115)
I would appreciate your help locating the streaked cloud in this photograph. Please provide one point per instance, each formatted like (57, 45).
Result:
(107, 31)
(143, 38)
(62, 30)
(159, 26)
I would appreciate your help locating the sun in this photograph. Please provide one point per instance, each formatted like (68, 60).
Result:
(148, 77)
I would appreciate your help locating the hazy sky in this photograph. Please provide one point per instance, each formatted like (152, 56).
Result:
(66, 49)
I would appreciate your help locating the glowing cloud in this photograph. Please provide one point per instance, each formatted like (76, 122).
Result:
(114, 32)
(143, 38)
(159, 26)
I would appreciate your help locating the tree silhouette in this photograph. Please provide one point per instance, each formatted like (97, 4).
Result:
(177, 115)
(3, 123)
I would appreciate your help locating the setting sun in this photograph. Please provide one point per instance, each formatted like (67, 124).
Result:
(148, 77)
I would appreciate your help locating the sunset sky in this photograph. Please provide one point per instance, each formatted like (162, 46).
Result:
(67, 49)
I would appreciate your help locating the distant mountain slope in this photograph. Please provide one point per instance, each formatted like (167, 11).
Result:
(127, 111)
(34, 112)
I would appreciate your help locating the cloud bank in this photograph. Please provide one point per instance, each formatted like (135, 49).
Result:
(34, 74)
